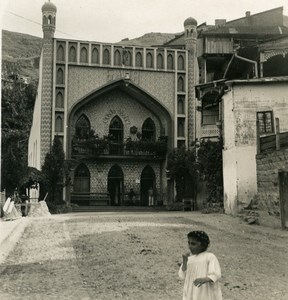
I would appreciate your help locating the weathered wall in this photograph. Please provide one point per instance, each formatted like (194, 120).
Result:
(268, 166)
(240, 107)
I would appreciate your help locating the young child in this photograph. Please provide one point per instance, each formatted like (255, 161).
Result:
(200, 270)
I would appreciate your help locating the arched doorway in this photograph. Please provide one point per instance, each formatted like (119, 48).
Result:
(115, 185)
(81, 187)
(147, 182)
(116, 135)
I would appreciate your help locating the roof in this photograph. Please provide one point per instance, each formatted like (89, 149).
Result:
(259, 80)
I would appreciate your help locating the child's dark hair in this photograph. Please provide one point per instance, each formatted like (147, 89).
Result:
(200, 236)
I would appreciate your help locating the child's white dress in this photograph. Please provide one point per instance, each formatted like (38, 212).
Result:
(204, 264)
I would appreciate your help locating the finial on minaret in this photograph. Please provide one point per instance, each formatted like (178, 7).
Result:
(49, 19)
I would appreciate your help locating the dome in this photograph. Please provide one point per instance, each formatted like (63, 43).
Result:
(190, 21)
(49, 6)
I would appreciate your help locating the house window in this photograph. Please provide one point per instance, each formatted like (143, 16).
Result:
(210, 108)
(170, 62)
(181, 62)
(84, 55)
(159, 61)
(60, 53)
(149, 60)
(265, 123)
(72, 54)
(106, 57)
(59, 100)
(117, 58)
(95, 56)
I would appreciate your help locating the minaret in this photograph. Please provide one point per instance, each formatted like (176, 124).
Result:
(48, 25)
(190, 26)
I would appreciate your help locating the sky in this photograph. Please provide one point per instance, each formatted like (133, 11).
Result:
(113, 20)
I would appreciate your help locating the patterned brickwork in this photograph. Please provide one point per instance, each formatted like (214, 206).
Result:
(46, 97)
(101, 112)
(131, 172)
(84, 80)
(191, 46)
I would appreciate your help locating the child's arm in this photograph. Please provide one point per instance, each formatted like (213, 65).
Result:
(183, 267)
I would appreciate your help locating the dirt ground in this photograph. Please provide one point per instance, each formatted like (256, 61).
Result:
(135, 256)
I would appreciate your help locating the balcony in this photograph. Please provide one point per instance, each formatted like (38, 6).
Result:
(103, 147)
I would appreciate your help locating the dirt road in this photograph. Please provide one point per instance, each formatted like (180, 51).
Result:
(135, 256)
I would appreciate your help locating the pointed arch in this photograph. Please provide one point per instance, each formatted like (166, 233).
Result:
(82, 179)
(95, 56)
(82, 127)
(127, 58)
(115, 183)
(139, 59)
(60, 53)
(59, 100)
(84, 55)
(181, 105)
(148, 130)
(181, 86)
(59, 124)
(170, 63)
(116, 135)
(160, 64)
(60, 76)
(181, 65)
(149, 60)
(72, 54)
(106, 57)
(117, 58)
(147, 182)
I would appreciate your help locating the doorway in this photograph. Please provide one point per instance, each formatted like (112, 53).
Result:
(147, 182)
(115, 185)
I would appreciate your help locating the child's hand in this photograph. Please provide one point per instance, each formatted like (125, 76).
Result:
(185, 260)
(199, 281)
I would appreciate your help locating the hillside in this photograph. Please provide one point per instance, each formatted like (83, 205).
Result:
(22, 49)
(149, 39)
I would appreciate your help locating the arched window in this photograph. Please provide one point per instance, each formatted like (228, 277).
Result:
(116, 136)
(60, 53)
(95, 56)
(149, 60)
(117, 58)
(139, 60)
(50, 20)
(181, 84)
(159, 61)
(59, 124)
(59, 100)
(181, 105)
(81, 179)
(82, 127)
(72, 54)
(170, 64)
(181, 62)
(106, 57)
(83, 55)
(148, 130)
(60, 76)
(181, 127)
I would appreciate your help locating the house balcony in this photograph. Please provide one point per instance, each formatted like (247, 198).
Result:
(98, 148)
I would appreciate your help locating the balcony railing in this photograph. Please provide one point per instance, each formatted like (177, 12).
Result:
(99, 147)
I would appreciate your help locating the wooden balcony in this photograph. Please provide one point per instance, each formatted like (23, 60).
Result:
(137, 149)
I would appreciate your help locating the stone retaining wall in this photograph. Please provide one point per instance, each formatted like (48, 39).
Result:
(268, 165)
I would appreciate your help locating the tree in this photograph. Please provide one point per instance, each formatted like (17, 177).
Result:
(54, 172)
(210, 157)
(183, 168)
(17, 112)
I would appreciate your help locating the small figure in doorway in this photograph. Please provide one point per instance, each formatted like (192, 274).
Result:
(131, 196)
(151, 196)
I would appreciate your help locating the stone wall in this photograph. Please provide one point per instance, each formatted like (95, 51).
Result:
(268, 165)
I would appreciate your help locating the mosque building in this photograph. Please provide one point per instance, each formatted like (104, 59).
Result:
(119, 109)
